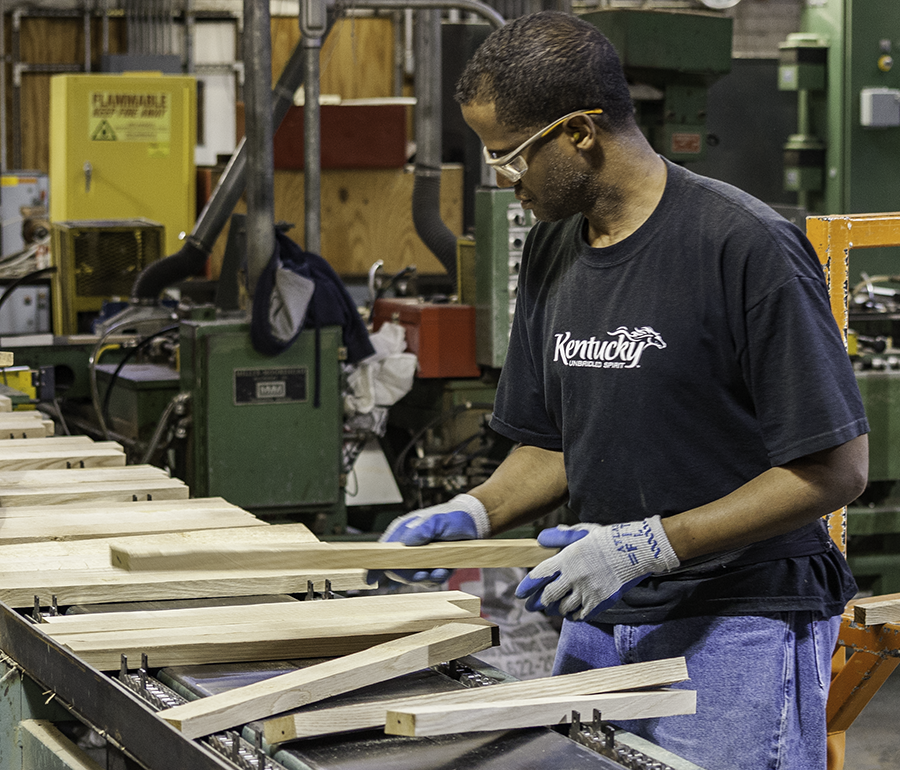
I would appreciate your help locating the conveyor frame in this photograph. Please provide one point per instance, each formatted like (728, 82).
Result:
(99, 701)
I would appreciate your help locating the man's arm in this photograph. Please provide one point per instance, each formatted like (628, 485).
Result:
(598, 563)
(777, 501)
(529, 483)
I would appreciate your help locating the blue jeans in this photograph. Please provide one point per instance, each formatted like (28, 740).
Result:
(761, 682)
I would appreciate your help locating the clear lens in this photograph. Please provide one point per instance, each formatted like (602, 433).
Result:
(514, 170)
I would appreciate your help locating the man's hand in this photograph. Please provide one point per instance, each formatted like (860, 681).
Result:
(462, 518)
(596, 566)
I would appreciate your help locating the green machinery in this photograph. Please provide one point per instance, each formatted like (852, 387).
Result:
(842, 66)
(258, 437)
(248, 427)
(671, 59)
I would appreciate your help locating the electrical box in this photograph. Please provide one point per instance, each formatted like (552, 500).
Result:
(24, 194)
(258, 438)
(879, 107)
(859, 175)
(97, 260)
(441, 334)
(26, 311)
(501, 226)
(122, 147)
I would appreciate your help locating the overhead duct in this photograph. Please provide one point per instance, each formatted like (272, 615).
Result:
(426, 197)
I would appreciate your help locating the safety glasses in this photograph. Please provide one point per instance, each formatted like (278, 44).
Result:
(513, 165)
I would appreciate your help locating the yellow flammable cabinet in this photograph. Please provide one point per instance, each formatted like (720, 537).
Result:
(122, 147)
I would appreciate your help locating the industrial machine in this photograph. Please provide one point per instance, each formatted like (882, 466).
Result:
(180, 385)
(841, 67)
(671, 59)
(97, 261)
(111, 715)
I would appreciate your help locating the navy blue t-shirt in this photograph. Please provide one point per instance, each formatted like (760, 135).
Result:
(673, 367)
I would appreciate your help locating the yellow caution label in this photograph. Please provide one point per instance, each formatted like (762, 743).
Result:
(121, 116)
(15, 181)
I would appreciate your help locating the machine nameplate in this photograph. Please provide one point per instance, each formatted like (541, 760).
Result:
(270, 386)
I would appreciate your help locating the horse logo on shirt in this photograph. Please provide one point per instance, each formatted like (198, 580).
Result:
(624, 351)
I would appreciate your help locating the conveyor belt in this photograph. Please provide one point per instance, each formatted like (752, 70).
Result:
(122, 711)
(364, 750)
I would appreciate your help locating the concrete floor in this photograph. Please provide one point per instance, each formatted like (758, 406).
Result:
(873, 740)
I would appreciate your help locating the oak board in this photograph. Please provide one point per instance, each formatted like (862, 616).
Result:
(310, 723)
(153, 555)
(536, 712)
(323, 680)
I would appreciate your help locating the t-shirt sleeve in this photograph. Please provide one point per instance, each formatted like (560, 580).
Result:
(800, 376)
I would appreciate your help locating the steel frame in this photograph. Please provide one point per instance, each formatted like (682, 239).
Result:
(99, 701)
(874, 650)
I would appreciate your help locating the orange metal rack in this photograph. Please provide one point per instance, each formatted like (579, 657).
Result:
(874, 651)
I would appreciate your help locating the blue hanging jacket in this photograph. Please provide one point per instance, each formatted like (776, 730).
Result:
(300, 290)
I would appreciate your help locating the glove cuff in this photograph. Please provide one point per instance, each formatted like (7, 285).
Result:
(474, 507)
(641, 547)
(666, 559)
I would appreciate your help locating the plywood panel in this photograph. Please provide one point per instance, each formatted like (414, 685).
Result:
(366, 216)
(49, 41)
(356, 60)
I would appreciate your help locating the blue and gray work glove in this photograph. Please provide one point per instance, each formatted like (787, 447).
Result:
(462, 518)
(597, 564)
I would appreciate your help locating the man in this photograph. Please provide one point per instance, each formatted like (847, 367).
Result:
(675, 376)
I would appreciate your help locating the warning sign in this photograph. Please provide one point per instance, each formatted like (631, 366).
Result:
(104, 132)
(117, 116)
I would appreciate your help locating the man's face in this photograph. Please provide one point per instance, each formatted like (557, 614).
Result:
(557, 183)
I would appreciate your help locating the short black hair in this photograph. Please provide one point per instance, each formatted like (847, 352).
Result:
(545, 65)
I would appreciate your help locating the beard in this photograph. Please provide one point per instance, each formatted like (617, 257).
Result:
(567, 190)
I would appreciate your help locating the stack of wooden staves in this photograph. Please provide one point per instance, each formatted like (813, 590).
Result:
(78, 526)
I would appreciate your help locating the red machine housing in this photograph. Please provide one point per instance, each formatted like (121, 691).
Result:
(442, 335)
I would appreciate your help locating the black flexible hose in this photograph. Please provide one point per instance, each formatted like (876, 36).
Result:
(188, 261)
(440, 419)
(125, 359)
(426, 211)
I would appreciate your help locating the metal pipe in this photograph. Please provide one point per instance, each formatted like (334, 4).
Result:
(17, 89)
(472, 6)
(105, 27)
(228, 191)
(231, 184)
(426, 212)
(3, 164)
(312, 148)
(427, 46)
(189, 28)
(260, 221)
(87, 39)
